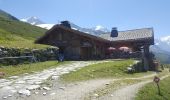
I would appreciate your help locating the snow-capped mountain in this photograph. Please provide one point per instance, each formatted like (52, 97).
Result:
(37, 22)
(94, 31)
(46, 26)
(100, 28)
(32, 20)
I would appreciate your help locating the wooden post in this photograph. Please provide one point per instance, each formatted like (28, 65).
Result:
(156, 80)
(159, 92)
(146, 57)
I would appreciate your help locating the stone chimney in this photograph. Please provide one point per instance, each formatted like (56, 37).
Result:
(114, 32)
(66, 24)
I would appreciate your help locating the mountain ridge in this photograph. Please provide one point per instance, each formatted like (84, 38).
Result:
(97, 30)
(6, 15)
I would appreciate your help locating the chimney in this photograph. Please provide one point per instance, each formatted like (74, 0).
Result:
(114, 32)
(66, 24)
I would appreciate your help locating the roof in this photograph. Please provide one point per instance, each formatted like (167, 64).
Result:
(51, 31)
(144, 35)
(137, 34)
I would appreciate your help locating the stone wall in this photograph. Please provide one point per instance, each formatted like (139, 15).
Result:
(13, 56)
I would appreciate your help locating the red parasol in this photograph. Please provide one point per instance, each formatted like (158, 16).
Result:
(124, 48)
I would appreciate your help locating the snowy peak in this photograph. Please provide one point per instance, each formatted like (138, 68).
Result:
(101, 28)
(94, 31)
(98, 30)
(46, 26)
(32, 20)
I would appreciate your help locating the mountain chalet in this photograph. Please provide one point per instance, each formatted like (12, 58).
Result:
(78, 45)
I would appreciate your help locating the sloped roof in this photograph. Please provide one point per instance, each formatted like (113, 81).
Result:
(137, 34)
(59, 27)
(145, 35)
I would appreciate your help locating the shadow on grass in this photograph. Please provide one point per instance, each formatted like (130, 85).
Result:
(164, 98)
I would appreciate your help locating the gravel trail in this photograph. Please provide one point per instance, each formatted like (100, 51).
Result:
(127, 92)
(21, 87)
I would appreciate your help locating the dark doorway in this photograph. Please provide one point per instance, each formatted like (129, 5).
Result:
(61, 50)
(86, 52)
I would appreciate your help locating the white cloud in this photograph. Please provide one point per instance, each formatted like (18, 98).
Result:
(167, 38)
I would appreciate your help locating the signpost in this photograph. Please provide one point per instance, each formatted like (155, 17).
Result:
(156, 80)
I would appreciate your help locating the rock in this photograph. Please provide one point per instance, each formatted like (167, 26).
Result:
(96, 95)
(46, 88)
(3, 80)
(7, 88)
(111, 95)
(65, 72)
(14, 77)
(13, 91)
(39, 82)
(9, 95)
(54, 77)
(4, 97)
(33, 87)
(52, 93)
(2, 47)
(44, 93)
(62, 88)
(20, 82)
(36, 92)
(25, 73)
(107, 83)
(24, 92)
(5, 52)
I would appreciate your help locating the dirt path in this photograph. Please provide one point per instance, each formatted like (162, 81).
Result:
(75, 91)
(30, 87)
(128, 92)
(23, 86)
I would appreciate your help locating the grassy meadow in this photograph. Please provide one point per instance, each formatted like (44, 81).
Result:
(111, 69)
(150, 92)
(14, 33)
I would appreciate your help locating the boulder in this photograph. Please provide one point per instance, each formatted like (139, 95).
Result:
(46, 88)
(24, 92)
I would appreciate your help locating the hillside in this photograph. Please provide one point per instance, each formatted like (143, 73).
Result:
(160, 54)
(5, 15)
(14, 33)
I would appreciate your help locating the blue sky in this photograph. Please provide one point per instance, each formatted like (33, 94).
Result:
(124, 14)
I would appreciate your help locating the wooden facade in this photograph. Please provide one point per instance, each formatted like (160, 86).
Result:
(74, 45)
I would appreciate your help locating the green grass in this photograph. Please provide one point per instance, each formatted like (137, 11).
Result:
(21, 29)
(102, 70)
(11, 40)
(28, 68)
(3, 14)
(149, 91)
(14, 33)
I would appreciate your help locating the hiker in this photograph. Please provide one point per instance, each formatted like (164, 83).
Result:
(61, 57)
